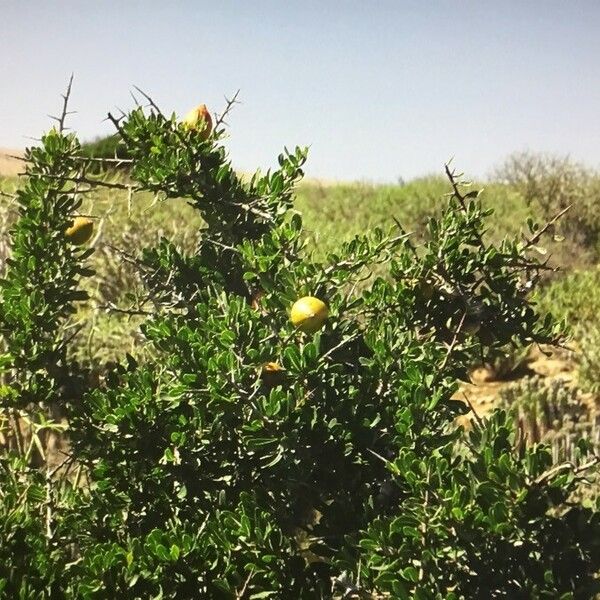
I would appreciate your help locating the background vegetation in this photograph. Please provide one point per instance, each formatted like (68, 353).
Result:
(526, 186)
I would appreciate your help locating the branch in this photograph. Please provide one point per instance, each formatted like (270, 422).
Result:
(386, 245)
(68, 460)
(424, 524)
(477, 417)
(117, 161)
(117, 123)
(240, 594)
(456, 192)
(64, 113)
(345, 341)
(111, 307)
(94, 182)
(150, 101)
(567, 466)
(545, 228)
(452, 343)
(230, 104)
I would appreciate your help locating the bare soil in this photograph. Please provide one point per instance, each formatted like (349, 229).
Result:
(484, 390)
(9, 167)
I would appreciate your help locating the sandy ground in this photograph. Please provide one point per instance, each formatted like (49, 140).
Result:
(10, 166)
(484, 391)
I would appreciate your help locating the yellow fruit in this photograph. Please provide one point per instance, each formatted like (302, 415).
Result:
(81, 230)
(309, 313)
(199, 118)
(272, 367)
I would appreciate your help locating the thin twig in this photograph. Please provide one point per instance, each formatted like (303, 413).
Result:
(14, 156)
(477, 417)
(230, 104)
(452, 177)
(117, 161)
(117, 123)
(424, 523)
(150, 101)
(390, 244)
(545, 228)
(452, 343)
(566, 466)
(48, 506)
(18, 433)
(220, 245)
(110, 307)
(242, 591)
(69, 459)
(65, 112)
(341, 344)
(94, 182)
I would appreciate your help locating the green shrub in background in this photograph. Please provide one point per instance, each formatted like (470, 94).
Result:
(108, 154)
(347, 475)
(550, 184)
(575, 297)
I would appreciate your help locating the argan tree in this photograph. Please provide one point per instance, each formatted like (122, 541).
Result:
(249, 456)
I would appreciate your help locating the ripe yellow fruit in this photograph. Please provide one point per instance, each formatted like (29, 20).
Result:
(81, 231)
(272, 367)
(309, 313)
(199, 118)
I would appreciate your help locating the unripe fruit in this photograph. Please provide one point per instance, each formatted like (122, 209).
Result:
(199, 119)
(81, 230)
(308, 314)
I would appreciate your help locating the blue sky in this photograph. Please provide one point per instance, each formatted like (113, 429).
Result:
(379, 89)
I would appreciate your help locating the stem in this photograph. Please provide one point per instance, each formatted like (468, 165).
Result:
(18, 432)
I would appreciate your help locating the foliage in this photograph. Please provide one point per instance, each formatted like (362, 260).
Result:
(348, 476)
(553, 183)
(42, 277)
(575, 298)
(111, 149)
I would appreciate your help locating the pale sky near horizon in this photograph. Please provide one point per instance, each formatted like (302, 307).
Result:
(379, 90)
